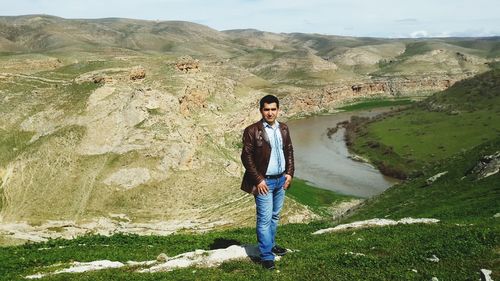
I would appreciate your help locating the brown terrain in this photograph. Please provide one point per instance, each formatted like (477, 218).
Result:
(126, 125)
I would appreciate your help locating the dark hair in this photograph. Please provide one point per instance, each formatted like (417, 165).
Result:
(269, 99)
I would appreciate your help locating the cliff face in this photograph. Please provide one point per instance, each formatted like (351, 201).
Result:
(306, 100)
(136, 122)
(331, 96)
(149, 151)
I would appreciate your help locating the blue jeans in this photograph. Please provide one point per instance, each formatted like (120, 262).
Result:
(268, 213)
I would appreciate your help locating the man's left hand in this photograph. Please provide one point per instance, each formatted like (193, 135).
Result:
(288, 181)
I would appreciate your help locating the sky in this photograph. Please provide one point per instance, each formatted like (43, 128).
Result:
(372, 18)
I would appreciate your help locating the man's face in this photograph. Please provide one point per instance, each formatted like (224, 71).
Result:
(269, 112)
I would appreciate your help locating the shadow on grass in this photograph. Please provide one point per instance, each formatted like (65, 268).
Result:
(222, 243)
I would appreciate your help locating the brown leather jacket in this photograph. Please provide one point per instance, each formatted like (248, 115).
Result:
(257, 151)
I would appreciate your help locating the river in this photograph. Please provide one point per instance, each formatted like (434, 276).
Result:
(324, 161)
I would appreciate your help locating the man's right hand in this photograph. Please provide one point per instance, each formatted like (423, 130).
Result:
(262, 188)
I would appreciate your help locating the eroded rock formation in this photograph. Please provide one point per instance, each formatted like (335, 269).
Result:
(187, 64)
(137, 73)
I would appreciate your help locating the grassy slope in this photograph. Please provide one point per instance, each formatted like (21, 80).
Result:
(391, 253)
(29, 97)
(376, 103)
(317, 199)
(457, 196)
(466, 240)
(457, 119)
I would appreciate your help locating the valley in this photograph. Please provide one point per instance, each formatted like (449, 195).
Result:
(129, 126)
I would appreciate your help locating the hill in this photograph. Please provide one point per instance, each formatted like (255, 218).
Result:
(457, 119)
(462, 242)
(40, 33)
(134, 126)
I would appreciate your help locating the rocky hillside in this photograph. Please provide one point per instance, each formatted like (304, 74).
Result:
(135, 125)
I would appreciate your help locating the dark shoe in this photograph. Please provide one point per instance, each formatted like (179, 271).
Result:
(277, 250)
(269, 265)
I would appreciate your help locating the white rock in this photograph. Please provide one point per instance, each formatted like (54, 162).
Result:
(434, 279)
(486, 275)
(375, 223)
(487, 166)
(35, 276)
(195, 258)
(354, 254)
(432, 179)
(412, 221)
(141, 263)
(79, 267)
(129, 178)
(206, 258)
(90, 266)
(162, 257)
(433, 259)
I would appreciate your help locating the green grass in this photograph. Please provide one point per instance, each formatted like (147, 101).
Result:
(376, 103)
(390, 254)
(460, 118)
(12, 143)
(408, 140)
(73, 97)
(425, 136)
(83, 67)
(487, 47)
(18, 88)
(7, 54)
(477, 93)
(457, 196)
(31, 96)
(418, 48)
(72, 71)
(465, 240)
(317, 199)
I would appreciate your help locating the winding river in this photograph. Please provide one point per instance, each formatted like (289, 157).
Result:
(324, 161)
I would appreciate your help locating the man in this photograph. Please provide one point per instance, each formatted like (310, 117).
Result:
(268, 159)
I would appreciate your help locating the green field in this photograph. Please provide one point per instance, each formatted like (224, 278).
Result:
(466, 239)
(457, 196)
(376, 103)
(390, 253)
(317, 199)
(458, 119)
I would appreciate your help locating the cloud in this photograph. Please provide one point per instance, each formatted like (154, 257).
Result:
(442, 34)
(407, 21)
(419, 34)
(427, 34)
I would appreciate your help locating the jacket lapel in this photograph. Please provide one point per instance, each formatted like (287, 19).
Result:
(264, 133)
(284, 134)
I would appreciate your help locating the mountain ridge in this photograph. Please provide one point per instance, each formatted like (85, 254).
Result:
(85, 103)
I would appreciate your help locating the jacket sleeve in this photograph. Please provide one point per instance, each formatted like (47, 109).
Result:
(247, 157)
(290, 165)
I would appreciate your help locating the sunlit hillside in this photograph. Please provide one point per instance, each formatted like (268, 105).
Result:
(134, 126)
